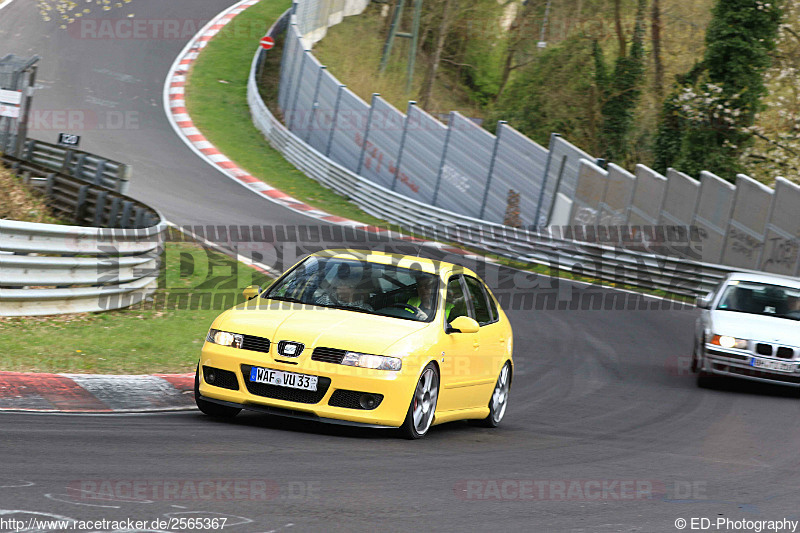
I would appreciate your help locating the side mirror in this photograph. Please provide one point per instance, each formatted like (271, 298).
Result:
(251, 291)
(463, 324)
(704, 302)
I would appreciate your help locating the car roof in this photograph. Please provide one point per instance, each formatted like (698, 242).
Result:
(413, 262)
(774, 279)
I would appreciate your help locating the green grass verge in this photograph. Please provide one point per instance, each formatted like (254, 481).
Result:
(216, 98)
(163, 335)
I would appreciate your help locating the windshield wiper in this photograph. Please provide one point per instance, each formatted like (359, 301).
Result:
(286, 299)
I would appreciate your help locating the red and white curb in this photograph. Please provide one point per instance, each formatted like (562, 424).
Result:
(92, 393)
(178, 116)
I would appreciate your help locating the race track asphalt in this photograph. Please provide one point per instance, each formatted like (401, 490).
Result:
(606, 430)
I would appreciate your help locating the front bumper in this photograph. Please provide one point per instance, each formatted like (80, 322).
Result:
(737, 364)
(396, 388)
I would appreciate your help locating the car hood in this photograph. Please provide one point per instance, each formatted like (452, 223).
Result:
(756, 327)
(320, 326)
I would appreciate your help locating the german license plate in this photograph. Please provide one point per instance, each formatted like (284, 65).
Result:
(766, 364)
(283, 379)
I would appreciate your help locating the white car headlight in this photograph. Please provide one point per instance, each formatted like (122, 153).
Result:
(726, 341)
(224, 338)
(375, 362)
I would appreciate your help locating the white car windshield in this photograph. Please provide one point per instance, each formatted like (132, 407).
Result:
(761, 299)
(361, 286)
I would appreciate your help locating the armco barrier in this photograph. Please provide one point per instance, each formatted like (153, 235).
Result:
(81, 165)
(647, 264)
(50, 269)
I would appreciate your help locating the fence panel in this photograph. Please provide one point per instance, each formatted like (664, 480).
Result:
(648, 197)
(745, 236)
(589, 190)
(303, 100)
(617, 196)
(519, 165)
(289, 66)
(348, 134)
(680, 200)
(321, 124)
(383, 139)
(423, 144)
(465, 167)
(562, 174)
(782, 242)
(712, 214)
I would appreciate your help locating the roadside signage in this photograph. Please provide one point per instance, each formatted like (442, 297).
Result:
(10, 97)
(9, 111)
(267, 42)
(68, 139)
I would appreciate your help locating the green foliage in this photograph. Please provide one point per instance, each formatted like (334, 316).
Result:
(556, 93)
(706, 120)
(620, 93)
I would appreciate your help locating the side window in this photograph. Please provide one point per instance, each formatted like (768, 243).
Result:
(492, 305)
(479, 303)
(455, 304)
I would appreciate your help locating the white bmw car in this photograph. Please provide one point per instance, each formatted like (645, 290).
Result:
(749, 328)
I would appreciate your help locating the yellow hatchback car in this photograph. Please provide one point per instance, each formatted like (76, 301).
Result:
(362, 338)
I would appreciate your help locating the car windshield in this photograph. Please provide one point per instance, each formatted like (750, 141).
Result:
(361, 286)
(761, 299)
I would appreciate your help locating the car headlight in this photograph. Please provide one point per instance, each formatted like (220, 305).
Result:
(224, 338)
(375, 362)
(727, 341)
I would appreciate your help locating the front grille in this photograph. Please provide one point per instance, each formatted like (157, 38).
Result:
(735, 356)
(786, 378)
(328, 355)
(763, 349)
(289, 394)
(350, 399)
(785, 352)
(221, 378)
(256, 344)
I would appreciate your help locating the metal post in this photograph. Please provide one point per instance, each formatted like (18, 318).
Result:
(366, 134)
(412, 53)
(335, 118)
(293, 110)
(22, 123)
(444, 157)
(387, 47)
(500, 124)
(539, 203)
(7, 146)
(411, 104)
(315, 104)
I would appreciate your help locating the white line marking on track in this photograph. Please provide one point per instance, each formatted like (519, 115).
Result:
(66, 498)
(5, 3)
(15, 483)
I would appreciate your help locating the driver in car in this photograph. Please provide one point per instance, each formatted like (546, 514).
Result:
(343, 293)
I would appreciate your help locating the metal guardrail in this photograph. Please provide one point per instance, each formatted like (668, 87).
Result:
(78, 164)
(85, 204)
(52, 269)
(636, 265)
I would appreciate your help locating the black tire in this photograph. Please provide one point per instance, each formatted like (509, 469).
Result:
(695, 363)
(430, 396)
(497, 410)
(210, 408)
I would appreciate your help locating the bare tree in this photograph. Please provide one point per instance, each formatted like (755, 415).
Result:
(655, 37)
(426, 94)
(618, 26)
